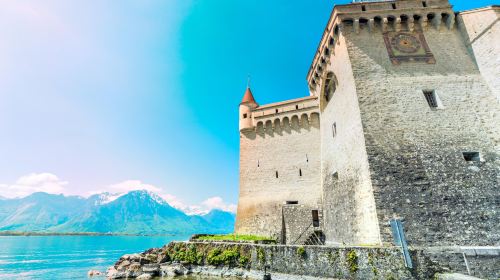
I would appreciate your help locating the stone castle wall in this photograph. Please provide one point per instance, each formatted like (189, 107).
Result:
(349, 205)
(279, 162)
(382, 151)
(481, 29)
(415, 155)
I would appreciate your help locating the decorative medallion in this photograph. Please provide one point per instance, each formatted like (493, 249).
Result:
(407, 47)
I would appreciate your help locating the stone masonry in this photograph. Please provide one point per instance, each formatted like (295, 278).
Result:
(403, 121)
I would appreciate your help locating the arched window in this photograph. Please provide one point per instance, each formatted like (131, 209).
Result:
(330, 86)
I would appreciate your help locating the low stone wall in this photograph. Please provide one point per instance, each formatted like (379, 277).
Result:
(236, 259)
(483, 262)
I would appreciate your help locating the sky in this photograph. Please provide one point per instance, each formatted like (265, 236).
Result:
(143, 94)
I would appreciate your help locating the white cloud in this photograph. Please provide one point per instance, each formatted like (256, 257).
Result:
(217, 202)
(34, 182)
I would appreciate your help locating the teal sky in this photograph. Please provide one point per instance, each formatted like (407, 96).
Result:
(116, 95)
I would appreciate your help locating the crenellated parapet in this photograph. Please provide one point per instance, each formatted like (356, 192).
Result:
(381, 17)
(286, 115)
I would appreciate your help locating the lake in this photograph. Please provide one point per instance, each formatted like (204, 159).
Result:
(68, 257)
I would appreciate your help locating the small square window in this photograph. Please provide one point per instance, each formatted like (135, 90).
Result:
(424, 4)
(432, 99)
(394, 6)
(245, 116)
(335, 176)
(363, 8)
(277, 111)
(472, 156)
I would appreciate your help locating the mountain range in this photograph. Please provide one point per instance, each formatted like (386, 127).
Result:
(136, 212)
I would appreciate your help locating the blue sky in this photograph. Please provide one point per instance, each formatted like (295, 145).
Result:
(116, 95)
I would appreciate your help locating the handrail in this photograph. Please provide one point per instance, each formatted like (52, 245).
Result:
(293, 243)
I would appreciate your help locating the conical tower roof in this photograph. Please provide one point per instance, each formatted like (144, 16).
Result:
(248, 98)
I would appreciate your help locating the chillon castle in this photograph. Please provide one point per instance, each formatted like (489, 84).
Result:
(402, 123)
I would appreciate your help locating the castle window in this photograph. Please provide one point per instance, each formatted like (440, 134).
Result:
(292, 202)
(432, 98)
(394, 6)
(315, 218)
(258, 163)
(300, 172)
(276, 174)
(245, 116)
(276, 111)
(335, 176)
(424, 4)
(334, 129)
(472, 156)
(363, 8)
(330, 86)
(307, 158)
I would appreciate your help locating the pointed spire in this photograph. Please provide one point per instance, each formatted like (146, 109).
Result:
(248, 96)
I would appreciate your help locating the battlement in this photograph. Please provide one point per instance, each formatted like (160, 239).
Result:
(377, 17)
(280, 115)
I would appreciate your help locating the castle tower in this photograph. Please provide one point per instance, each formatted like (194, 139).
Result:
(409, 123)
(246, 106)
(280, 191)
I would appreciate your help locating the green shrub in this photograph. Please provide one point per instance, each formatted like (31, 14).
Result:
(227, 257)
(199, 257)
(261, 255)
(371, 263)
(352, 261)
(301, 252)
(186, 254)
(213, 256)
(244, 260)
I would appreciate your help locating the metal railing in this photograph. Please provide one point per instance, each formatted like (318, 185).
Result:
(300, 236)
(315, 238)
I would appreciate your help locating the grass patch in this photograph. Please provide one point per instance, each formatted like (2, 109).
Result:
(234, 237)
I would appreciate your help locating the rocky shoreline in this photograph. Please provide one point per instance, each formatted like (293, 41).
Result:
(178, 260)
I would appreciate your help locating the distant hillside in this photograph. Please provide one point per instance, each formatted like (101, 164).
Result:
(137, 212)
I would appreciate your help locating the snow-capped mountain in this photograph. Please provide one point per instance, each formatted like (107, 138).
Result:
(135, 212)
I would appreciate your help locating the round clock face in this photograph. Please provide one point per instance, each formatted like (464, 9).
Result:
(405, 43)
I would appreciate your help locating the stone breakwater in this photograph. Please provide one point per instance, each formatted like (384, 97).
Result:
(249, 260)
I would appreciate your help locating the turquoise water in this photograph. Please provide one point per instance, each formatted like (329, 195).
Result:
(68, 257)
